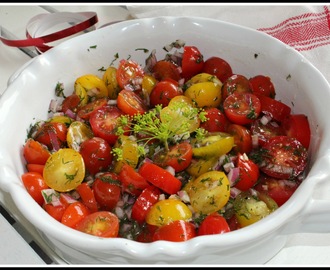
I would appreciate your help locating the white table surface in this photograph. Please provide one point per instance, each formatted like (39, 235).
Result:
(300, 250)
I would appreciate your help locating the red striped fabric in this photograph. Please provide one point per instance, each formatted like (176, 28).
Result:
(304, 32)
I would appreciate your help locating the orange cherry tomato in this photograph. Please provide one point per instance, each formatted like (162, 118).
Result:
(55, 211)
(74, 213)
(34, 184)
(130, 103)
(176, 231)
(34, 152)
(35, 168)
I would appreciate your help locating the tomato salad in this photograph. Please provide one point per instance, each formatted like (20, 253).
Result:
(180, 148)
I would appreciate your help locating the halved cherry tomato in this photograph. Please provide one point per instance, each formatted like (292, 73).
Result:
(35, 168)
(34, 152)
(176, 231)
(164, 69)
(218, 67)
(178, 157)
(216, 121)
(148, 197)
(297, 126)
(104, 122)
(265, 131)
(262, 85)
(132, 181)
(74, 213)
(242, 108)
(52, 134)
(87, 196)
(192, 62)
(213, 224)
(275, 108)
(34, 184)
(248, 173)
(55, 211)
(107, 190)
(128, 73)
(101, 224)
(146, 234)
(130, 103)
(164, 91)
(235, 83)
(85, 111)
(160, 178)
(242, 138)
(71, 103)
(283, 157)
(97, 155)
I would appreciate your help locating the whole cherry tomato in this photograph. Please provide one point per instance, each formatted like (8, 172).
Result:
(164, 91)
(213, 224)
(218, 67)
(164, 69)
(192, 62)
(34, 184)
(176, 231)
(262, 85)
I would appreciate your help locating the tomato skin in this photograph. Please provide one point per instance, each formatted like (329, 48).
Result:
(127, 72)
(164, 91)
(275, 108)
(132, 181)
(262, 85)
(148, 197)
(96, 153)
(297, 126)
(35, 168)
(71, 103)
(217, 121)
(235, 83)
(130, 103)
(85, 111)
(34, 152)
(74, 213)
(146, 235)
(248, 173)
(52, 134)
(280, 190)
(176, 231)
(218, 67)
(166, 70)
(242, 108)
(242, 138)
(107, 190)
(34, 184)
(192, 62)
(87, 197)
(101, 224)
(213, 224)
(161, 178)
(55, 211)
(265, 132)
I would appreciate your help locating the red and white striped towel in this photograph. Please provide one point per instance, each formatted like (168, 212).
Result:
(304, 27)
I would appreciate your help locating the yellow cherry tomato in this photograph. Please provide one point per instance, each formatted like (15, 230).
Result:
(205, 94)
(64, 170)
(165, 211)
(109, 78)
(90, 85)
(209, 192)
(78, 132)
(129, 153)
(62, 119)
(148, 83)
(204, 77)
(199, 166)
(214, 145)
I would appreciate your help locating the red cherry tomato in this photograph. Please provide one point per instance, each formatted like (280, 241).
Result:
(242, 108)
(297, 126)
(34, 184)
(248, 173)
(213, 224)
(166, 70)
(280, 190)
(147, 233)
(148, 197)
(74, 213)
(85, 111)
(275, 108)
(283, 157)
(235, 83)
(70, 103)
(101, 224)
(55, 211)
(160, 178)
(87, 196)
(35, 168)
(192, 62)
(104, 122)
(218, 67)
(216, 121)
(176, 231)
(34, 152)
(262, 85)
(164, 91)
(128, 74)
(265, 132)
(132, 181)
(52, 134)
(130, 103)
(107, 190)
(242, 138)
(96, 153)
